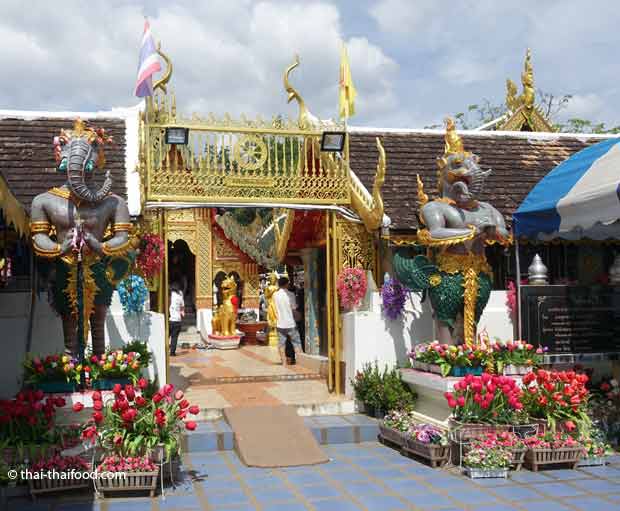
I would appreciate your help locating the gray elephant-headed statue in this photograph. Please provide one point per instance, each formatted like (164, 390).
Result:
(78, 223)
(455, 229)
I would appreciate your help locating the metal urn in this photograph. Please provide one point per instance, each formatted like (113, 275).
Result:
(537, 272)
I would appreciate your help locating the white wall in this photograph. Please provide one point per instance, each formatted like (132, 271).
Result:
(368, 335)
(496, 319)
(47, 336)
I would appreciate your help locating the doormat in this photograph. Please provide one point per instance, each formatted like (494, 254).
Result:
(273, 436)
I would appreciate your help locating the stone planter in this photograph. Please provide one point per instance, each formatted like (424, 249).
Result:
(437, 455)
(46, 485)
(480, 473)
(391, 435)
(536, 458)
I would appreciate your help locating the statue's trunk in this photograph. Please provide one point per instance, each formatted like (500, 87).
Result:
(79, 152)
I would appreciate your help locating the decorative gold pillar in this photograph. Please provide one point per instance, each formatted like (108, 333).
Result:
(204, 273)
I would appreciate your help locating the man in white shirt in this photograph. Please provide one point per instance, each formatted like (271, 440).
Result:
(175, 318)
(285, 304)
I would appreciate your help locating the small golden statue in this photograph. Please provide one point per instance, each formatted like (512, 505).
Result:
(453, 143)
(272, 313)
(225, 318)
(527, 80)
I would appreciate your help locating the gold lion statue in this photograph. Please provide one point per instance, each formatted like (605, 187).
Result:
(225, 317)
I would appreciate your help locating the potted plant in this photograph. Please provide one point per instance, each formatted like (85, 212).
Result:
(551, 448)
(114, 367)
(594, 449)
(52, 373)
(351, 286)
(27, 426)
(558, 399)
(129, 424)
(508, 439)
(138, 473)
(482, 462)
(71, 474)
(604, 409)
(516, 357)
(428, 442)
(366, 385)
(395, 425)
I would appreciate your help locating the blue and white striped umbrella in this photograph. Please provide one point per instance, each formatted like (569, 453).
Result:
(580, 198)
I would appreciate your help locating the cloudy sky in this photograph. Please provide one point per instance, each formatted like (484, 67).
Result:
(413, 61)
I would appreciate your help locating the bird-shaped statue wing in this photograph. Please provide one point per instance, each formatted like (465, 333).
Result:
(413, 271)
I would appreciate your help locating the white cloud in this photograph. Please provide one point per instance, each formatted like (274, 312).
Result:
(228, 56)
(586, 106)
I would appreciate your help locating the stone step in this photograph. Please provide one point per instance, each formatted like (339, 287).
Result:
(216, 435)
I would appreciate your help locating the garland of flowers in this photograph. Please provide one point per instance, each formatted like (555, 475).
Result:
(133, 292)
(151, 255)
(394, 295)
(351, 287)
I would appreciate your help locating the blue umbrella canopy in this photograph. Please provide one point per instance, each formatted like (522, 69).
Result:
(580, 198)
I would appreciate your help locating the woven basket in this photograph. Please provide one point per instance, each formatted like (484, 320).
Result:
(437, 455)
(536, 458)
(46, 485)
(392, 435)
(133, 481)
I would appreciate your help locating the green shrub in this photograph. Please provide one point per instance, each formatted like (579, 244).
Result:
(383, 391)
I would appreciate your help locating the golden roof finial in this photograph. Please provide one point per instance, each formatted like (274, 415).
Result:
(161, 83)
(454, 144)
(527, 79)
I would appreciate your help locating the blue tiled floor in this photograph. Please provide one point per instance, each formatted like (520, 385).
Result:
(361, 477)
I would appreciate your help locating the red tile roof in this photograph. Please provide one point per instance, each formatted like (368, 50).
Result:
(518, 161)
(27, 155)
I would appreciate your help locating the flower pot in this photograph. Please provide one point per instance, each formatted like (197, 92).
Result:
(420, 366)
(437, 455)
(457, 372)
(108, 383)
(132, 481)
(535, 458)
(68, 481)
(55, 387)
(434, 368)
(593, 461)
(476, 371)
(379, 413)
(479, 473)
(515, 370)
(391, 435)
(369, 410)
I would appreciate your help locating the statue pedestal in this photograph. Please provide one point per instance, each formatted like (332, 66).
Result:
(224, 342)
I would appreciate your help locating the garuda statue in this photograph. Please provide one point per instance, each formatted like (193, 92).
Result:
(77, 223)
(456, 228)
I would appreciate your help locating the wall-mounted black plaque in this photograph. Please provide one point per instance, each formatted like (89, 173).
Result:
(572, 319)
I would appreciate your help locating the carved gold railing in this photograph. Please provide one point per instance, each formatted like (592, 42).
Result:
(243, 161)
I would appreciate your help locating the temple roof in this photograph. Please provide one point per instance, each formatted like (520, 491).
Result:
(518, 160)
(27, 154)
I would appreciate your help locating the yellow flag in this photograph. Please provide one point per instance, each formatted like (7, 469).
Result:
(347, 90)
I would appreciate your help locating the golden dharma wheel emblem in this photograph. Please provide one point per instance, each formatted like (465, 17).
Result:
(250, 152)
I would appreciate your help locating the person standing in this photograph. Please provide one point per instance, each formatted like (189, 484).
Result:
(285, 303)
(176, 313)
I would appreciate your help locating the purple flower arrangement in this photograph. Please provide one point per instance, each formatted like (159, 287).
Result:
(428, 434)
(394, 295)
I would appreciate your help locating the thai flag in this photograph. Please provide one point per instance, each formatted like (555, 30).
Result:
(149, 64)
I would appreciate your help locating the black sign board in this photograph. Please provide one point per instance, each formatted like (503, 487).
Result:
(572, 319)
